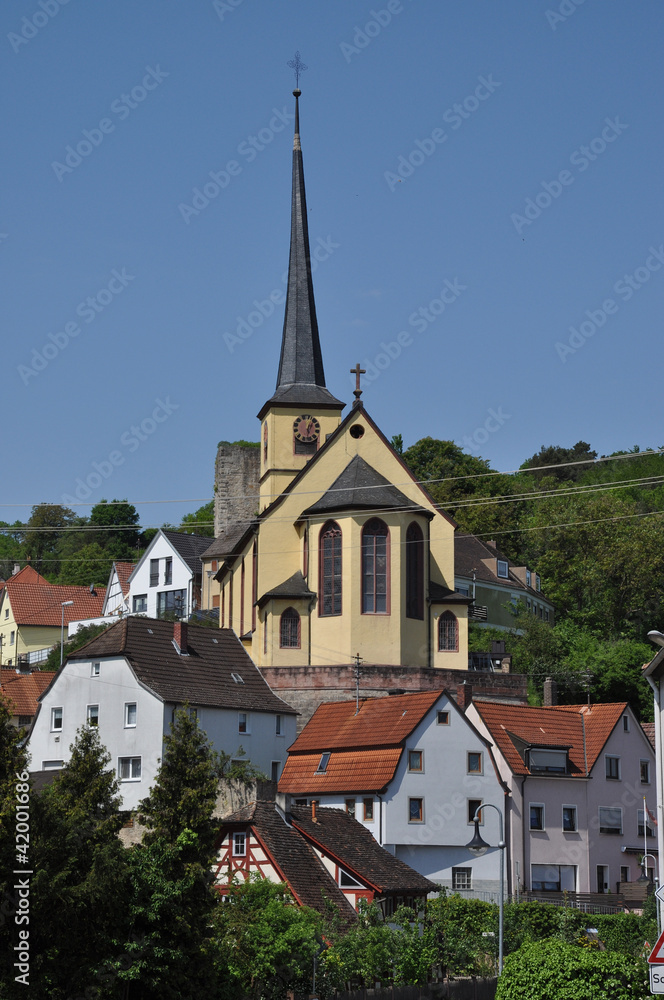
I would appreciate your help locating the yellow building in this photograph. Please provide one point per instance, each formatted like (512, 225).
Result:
(347, 553)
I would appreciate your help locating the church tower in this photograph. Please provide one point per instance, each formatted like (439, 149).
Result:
(302, 412)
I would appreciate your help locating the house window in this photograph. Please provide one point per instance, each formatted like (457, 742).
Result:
(610, 820)
(322, 763)
(569, 819)
(368, 806)
(536, 817)
(474, 764)
(154, 572)
(276, 768)
(347, 881)
(462, 879)
(56, 720)
(613, 768)
(538, 586)
(375, 567)
(24, 720)
(129, 768)
(140, 604)
(171, 602)
(6, 612)
(528, 577)
(130, 714)
(442, 718)
(624, 873)
(448, 633)
(548, 761)
(52, 765)
(415, 760)
(414, 572)
(645, 824)
(243, 722)
(415, 810)
(12, 636)
(350, 807)
(503, 571)
(168, 571)
(644, 766)
(278, 725)
(93, 715)
(625, 723)
(553, 878)
(330, 569)
(95, 669)
(239, 845)
(473, 806)
(289, 629)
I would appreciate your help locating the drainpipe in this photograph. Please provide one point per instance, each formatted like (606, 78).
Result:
(380, 819)
(526, 868)
(430, 625)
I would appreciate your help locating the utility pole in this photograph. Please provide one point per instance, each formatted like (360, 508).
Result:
(358, 671)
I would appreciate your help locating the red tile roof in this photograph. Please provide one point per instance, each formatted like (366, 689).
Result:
(124, 571)
(649, 729)
(34, 601)
(21, 691)
(379, 722)
(556, 726)
(347, 771)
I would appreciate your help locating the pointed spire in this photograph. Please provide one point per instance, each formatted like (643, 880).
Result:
(301, 378)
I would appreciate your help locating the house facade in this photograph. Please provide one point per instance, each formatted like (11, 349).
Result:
(413, 770)
(116, 602)
(577, 777)
(166, 580)
(129, 681)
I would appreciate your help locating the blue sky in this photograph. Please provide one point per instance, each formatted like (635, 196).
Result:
(484, 193)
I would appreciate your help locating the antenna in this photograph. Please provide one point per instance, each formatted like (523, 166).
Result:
(358, 671)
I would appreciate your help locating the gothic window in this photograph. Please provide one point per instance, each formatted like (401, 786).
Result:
(448, 633)
(414, 572)
(289, 629)
(330, 569)
(375, 567)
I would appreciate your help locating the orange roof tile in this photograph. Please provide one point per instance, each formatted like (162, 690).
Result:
(21, 691)
(347, 771)
(649, 729)
(555, 726)
(124, 571)
(37, 602)
(379, 722)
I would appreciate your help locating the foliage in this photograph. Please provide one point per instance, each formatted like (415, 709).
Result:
(41, 536)
(543, 969)
(564, 457)
(119, 519)
(84, 634)
(459, 925)
(626, 932)
(201, 522)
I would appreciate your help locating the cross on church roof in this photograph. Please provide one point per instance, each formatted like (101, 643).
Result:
(298, 67)
(357, 392)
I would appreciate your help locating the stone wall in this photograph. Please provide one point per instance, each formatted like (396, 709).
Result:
(306, 687)
(236, 486)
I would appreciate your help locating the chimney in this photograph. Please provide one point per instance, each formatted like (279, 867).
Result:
(314, 809)
(464, 695)
(16, 569)
(550, 692)
(180, 637)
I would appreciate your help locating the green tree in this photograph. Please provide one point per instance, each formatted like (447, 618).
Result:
(554, 455)
(85, 634)
(201, 522)
(41, 535)
(118, 523)
(83, 565)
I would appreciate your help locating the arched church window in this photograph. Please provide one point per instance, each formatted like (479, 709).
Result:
(330, 569)
(289, 629)
(375, 567)
(448, 633)
(414, 572)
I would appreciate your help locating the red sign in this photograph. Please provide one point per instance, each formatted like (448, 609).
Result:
(656, 956)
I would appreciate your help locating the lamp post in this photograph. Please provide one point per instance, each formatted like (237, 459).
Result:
(64, 604)
(643, 877)
(478, 847)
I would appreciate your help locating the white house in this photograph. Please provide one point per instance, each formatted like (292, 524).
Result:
(414, 770)
(129, 681)
(577, 777)
(116, 601)
(167, 578)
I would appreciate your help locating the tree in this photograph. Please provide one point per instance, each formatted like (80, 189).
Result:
(555, 455)
(84, 634)
(42, 533)
(201, 522)
(119, 519)
(84, 566)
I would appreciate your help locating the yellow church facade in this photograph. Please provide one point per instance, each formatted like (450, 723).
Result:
(347, 554)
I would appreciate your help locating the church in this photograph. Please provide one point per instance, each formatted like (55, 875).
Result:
(333, 553)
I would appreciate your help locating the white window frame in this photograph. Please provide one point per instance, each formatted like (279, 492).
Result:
(475, 753)
(464, 874)
(247, 723)
(536, 829)
(132, 776)
(88, 715)
(95, 668)
(127, 706)
(500, 563)
(143, 598)
(54, 718)
(569, 805)
(237, 842)
(52, 765)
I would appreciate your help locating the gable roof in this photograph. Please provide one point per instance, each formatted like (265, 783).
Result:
(572, 727)
(229, 541)
(190, 547)
(361, 487)
(470, 553)
(295, 860)
(34, 601)
(21, 691)
(649, 729)
(123, 571)
(203, 677)
(357, 851)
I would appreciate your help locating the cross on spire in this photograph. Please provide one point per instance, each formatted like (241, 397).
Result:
(298, 67)
(357, 392)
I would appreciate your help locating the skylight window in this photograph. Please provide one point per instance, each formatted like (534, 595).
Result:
(237, 678)
(322, 763)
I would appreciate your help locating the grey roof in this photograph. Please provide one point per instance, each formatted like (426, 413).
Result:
(228, 542)
(360, 487)
(301, 378)
(294, 586)
(438, 594)
(469, 553)
(203, 677)
(190, 547)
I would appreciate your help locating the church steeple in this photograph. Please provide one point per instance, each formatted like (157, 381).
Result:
(301, 379)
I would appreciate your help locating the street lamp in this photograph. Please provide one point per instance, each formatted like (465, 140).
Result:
(643, 877)
(478, 846)
(64, 604)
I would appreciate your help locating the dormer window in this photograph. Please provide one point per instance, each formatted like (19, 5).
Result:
(548, 761)
(503, 569)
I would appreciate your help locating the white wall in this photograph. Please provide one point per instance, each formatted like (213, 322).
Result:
(139, 581)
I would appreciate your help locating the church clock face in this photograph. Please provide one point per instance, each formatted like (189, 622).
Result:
(306, 429)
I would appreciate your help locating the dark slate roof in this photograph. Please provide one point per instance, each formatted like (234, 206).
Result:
(301, 378)
(361, 487)
(354, 848)
(438, 594)
(298, 863)
(190, 547)
(469, 553)
(202, 678)
(229, 541)
(294, 586)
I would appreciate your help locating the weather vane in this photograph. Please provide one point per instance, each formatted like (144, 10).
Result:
(298, 67)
